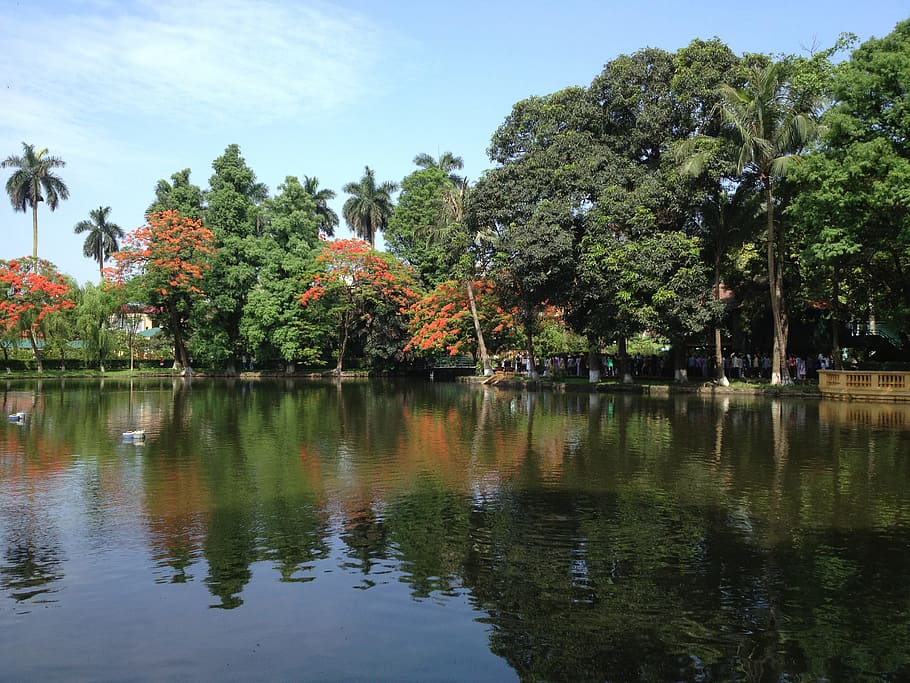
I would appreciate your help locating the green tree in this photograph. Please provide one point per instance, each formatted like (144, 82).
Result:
(178, 195)
(412, 226)
(235, 215)
(368, 209)
(33, 181)
(853, 203)
(447, 162)
(274, 325)
(772, 121)
(328, 219)
(94, 310)
(102, 238)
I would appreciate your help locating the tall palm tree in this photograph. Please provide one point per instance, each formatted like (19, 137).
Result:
(328, 219)
(447, 163)
(32, 182)
(102, 237)
(771, 125)
(370, 206)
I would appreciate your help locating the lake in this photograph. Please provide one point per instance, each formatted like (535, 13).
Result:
(412, 531)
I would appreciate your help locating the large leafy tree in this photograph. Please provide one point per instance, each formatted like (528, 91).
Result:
(854, 203)
(171, 255)
(413, 227)
(274, 325)
(33, 181)
(364, 295)
(103, 237)
(235, 215)
(368, 209)
(31, 291)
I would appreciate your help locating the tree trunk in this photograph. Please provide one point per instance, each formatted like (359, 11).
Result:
(623, 361)
(481, 345)
(181, 356)
(680, 370)
(35, 233)
(345, 322)
(836, 354)
(718, 344)
(780, 325)
(593, 363)
(532, 361)
(35, 351)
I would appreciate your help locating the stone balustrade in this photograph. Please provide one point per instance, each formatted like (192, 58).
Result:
(865, 384)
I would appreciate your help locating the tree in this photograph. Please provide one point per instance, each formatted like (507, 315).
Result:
(368, 209)
(448, 163)
(172, 255)
(102, 237)
(30, 292)
(274, 325)
(34, 181)
(772, 121)
(853, 203)
(412, 231)
(365, 293)
(442, 321)
(178, 195)
(235, 215)
(328, 219)
(93, 313)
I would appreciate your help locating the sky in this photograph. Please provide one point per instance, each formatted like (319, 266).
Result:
(127, 92)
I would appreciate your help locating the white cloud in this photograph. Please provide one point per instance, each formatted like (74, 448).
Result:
(192, 62)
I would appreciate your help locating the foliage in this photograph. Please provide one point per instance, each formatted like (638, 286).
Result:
(368, 209)
(31, 292)
(33, 181)
(274, 325)
(178, 195)
(234, 214)
(441, 320)
(415, 223)
(365, 294)
(171, 256)
(102, 238)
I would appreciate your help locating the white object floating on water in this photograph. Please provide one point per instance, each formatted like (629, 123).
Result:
(138, 435)
(17, 417)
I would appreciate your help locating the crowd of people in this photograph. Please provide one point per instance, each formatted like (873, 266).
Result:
(699, 365)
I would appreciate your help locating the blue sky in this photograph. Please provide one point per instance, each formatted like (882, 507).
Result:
(129, 92)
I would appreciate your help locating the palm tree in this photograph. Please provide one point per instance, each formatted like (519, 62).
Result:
(32, 182)
(447, 163)
(369, 207)
(771, 125)
(328, 219)
(102, 237)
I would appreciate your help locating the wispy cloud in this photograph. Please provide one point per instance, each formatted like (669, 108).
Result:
(187, 61)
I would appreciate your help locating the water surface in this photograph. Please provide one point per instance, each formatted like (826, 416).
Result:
(417, 531)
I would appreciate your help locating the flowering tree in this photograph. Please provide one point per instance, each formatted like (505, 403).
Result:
(363, 292)
(28, 294)
(441, 320)
(170, 255)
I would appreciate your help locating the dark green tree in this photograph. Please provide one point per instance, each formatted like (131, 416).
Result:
(178, 195)
(234, 214)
